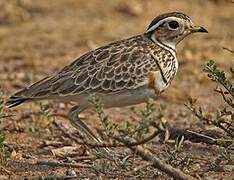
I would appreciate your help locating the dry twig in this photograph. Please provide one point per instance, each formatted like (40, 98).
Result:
(190, 135)
(95, 145)
(229, 50)
(157, 163)
(60, 164)
(220, 124)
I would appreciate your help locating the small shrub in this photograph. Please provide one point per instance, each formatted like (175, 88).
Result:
(136, 131)
(224, 117)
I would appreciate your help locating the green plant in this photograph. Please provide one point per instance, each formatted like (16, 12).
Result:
(135, 131)
(219, 76)
(45, 109)
(148, 117)
(107, 123)
(224, 117)
(179, 144)
(176, 156)
(3, 151)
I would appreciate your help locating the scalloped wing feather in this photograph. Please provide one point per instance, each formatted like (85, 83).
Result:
(119, 66)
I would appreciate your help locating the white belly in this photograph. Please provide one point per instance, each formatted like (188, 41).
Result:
(126, 98)
(159, 84)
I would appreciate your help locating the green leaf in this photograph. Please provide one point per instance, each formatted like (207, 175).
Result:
(232, 69)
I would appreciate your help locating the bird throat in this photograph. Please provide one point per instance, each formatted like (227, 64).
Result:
(170, 45)
(165, 57)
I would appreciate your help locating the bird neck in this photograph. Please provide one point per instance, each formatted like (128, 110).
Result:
(166, 45)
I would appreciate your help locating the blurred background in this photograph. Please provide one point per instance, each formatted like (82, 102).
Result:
(40, 37)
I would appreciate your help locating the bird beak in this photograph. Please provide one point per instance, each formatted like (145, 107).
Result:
(198, 29)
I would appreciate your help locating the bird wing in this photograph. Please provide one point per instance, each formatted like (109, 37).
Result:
(113, 68)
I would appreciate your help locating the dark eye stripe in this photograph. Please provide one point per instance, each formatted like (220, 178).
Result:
(173, 24)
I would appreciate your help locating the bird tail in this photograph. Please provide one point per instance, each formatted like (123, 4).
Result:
(15, 101)
(36, 91)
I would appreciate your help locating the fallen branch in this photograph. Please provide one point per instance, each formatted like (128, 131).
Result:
(60, 164)
(96, 145)
(190, 135)
(82, 158)
(3, 169)
(156, 162)
(53, 177)
(5, 116)
(227, 49)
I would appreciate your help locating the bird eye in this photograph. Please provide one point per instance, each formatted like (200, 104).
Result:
(173, 24)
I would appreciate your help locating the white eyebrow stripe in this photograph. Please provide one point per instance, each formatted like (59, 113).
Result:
(161, 22)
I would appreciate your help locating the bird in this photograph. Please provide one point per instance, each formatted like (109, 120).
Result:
(122, 73)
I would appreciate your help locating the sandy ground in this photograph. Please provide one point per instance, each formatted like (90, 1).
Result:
(40, 37)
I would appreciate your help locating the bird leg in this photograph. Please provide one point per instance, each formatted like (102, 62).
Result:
(73, 116)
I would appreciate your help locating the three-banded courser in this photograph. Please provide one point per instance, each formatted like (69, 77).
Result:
(121, 73)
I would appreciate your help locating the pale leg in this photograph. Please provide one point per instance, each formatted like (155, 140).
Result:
(73, 115)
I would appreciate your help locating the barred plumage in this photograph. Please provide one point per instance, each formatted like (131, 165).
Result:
(121, 73)
(119, 66)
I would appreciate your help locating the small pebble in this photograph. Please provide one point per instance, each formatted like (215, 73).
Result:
(71, 173)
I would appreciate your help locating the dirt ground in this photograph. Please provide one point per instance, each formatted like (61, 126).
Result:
(40, 37)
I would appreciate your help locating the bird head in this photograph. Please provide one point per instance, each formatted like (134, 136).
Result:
(171, 28)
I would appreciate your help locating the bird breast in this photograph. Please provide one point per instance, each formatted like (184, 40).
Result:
(156, 82)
